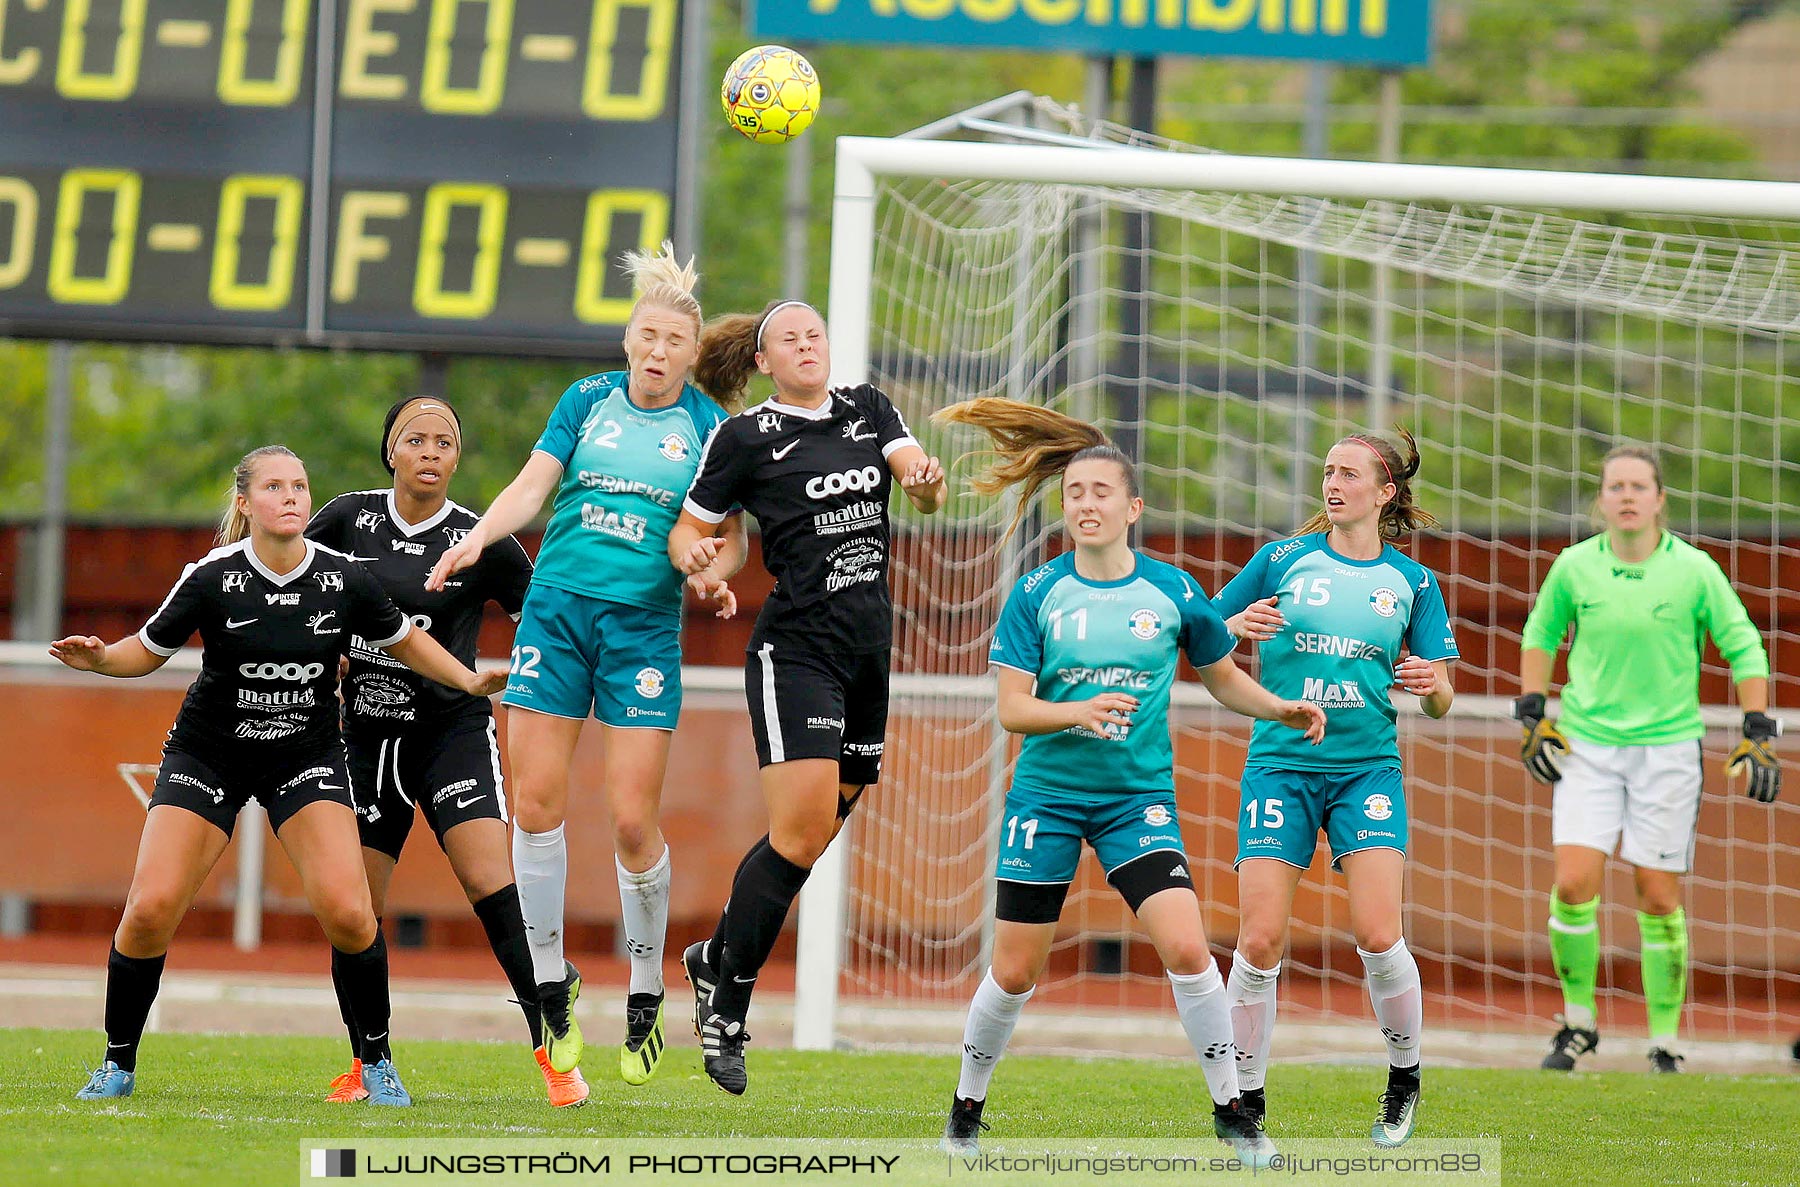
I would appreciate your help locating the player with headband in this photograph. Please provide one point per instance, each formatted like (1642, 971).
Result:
(816, 466)
(413, 742)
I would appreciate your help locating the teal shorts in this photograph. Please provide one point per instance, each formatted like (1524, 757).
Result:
(573, 654)
(1283, 811)
(1041, 832)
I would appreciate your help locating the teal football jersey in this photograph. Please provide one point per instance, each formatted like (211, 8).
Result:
(1348, 623)
(626, 470)
(1081, 638)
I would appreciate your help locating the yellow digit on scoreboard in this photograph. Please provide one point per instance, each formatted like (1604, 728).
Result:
(18, 193)
(435, 92)
(646, 103)
(592, 305)
(73, 80)
(429, 295)
(226, 291)
(110, 287)
(279, 89)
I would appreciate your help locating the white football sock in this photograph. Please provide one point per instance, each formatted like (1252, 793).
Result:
(541, 867)
(1205, 1016)
(1250, 993)
(992, 1015)
(644, 913)
(1399, 1001)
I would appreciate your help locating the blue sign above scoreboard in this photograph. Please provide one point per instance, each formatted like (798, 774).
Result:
(1370, 32)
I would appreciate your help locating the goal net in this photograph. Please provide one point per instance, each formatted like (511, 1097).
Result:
(1226, 319)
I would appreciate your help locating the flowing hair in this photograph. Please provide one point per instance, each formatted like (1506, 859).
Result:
(1400, 515)
(234, 525)
(1032, 445)
(727, 360)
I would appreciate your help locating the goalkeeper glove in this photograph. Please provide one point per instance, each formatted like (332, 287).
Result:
(1753, 758)
(1541, 747)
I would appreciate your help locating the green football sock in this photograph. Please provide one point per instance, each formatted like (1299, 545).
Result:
(1575, 946)
(1665, 967)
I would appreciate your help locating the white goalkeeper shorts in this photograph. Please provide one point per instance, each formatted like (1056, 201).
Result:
(1644, 800)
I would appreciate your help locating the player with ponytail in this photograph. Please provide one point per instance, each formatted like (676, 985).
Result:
(601, 635)
(1085, 653)
(1340, 616)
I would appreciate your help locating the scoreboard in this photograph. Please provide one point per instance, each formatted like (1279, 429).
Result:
(398, 174)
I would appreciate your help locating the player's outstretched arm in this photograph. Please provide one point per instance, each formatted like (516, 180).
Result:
(511, 510)
(124, 659)
(426, 656)
(1233, 688)
(1023, 713)
(921, 477)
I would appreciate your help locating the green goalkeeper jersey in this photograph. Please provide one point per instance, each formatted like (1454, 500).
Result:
(1634, 662)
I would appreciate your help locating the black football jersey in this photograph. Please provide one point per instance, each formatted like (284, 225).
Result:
(270, 646)
(817, 481)
(379, 690)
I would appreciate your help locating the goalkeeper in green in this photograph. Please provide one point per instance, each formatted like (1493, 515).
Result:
(1625, 752)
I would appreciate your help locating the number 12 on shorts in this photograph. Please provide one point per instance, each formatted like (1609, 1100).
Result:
(1268, 810)
(1015, 826)
(525, 661)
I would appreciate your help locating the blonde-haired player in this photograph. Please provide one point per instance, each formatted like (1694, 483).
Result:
(601, 634)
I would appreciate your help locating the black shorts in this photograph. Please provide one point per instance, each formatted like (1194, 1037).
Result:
(807, 705)
(218, 789)
(452, 773)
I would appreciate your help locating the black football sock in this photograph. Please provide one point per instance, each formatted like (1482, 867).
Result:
(499, 914)
(344, 1010)
(131, 984)
(760, 900)
(365, 979)
(716, 944)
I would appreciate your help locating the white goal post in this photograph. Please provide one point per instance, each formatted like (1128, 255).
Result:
(1496, 259)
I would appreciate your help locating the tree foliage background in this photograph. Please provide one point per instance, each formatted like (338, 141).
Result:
(156, 429)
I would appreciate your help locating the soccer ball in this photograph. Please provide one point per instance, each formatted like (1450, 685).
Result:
(770, 94)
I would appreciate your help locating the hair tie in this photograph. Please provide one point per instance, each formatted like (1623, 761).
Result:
(764, 321)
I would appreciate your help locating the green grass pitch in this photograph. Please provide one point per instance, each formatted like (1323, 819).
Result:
(233, 1109)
